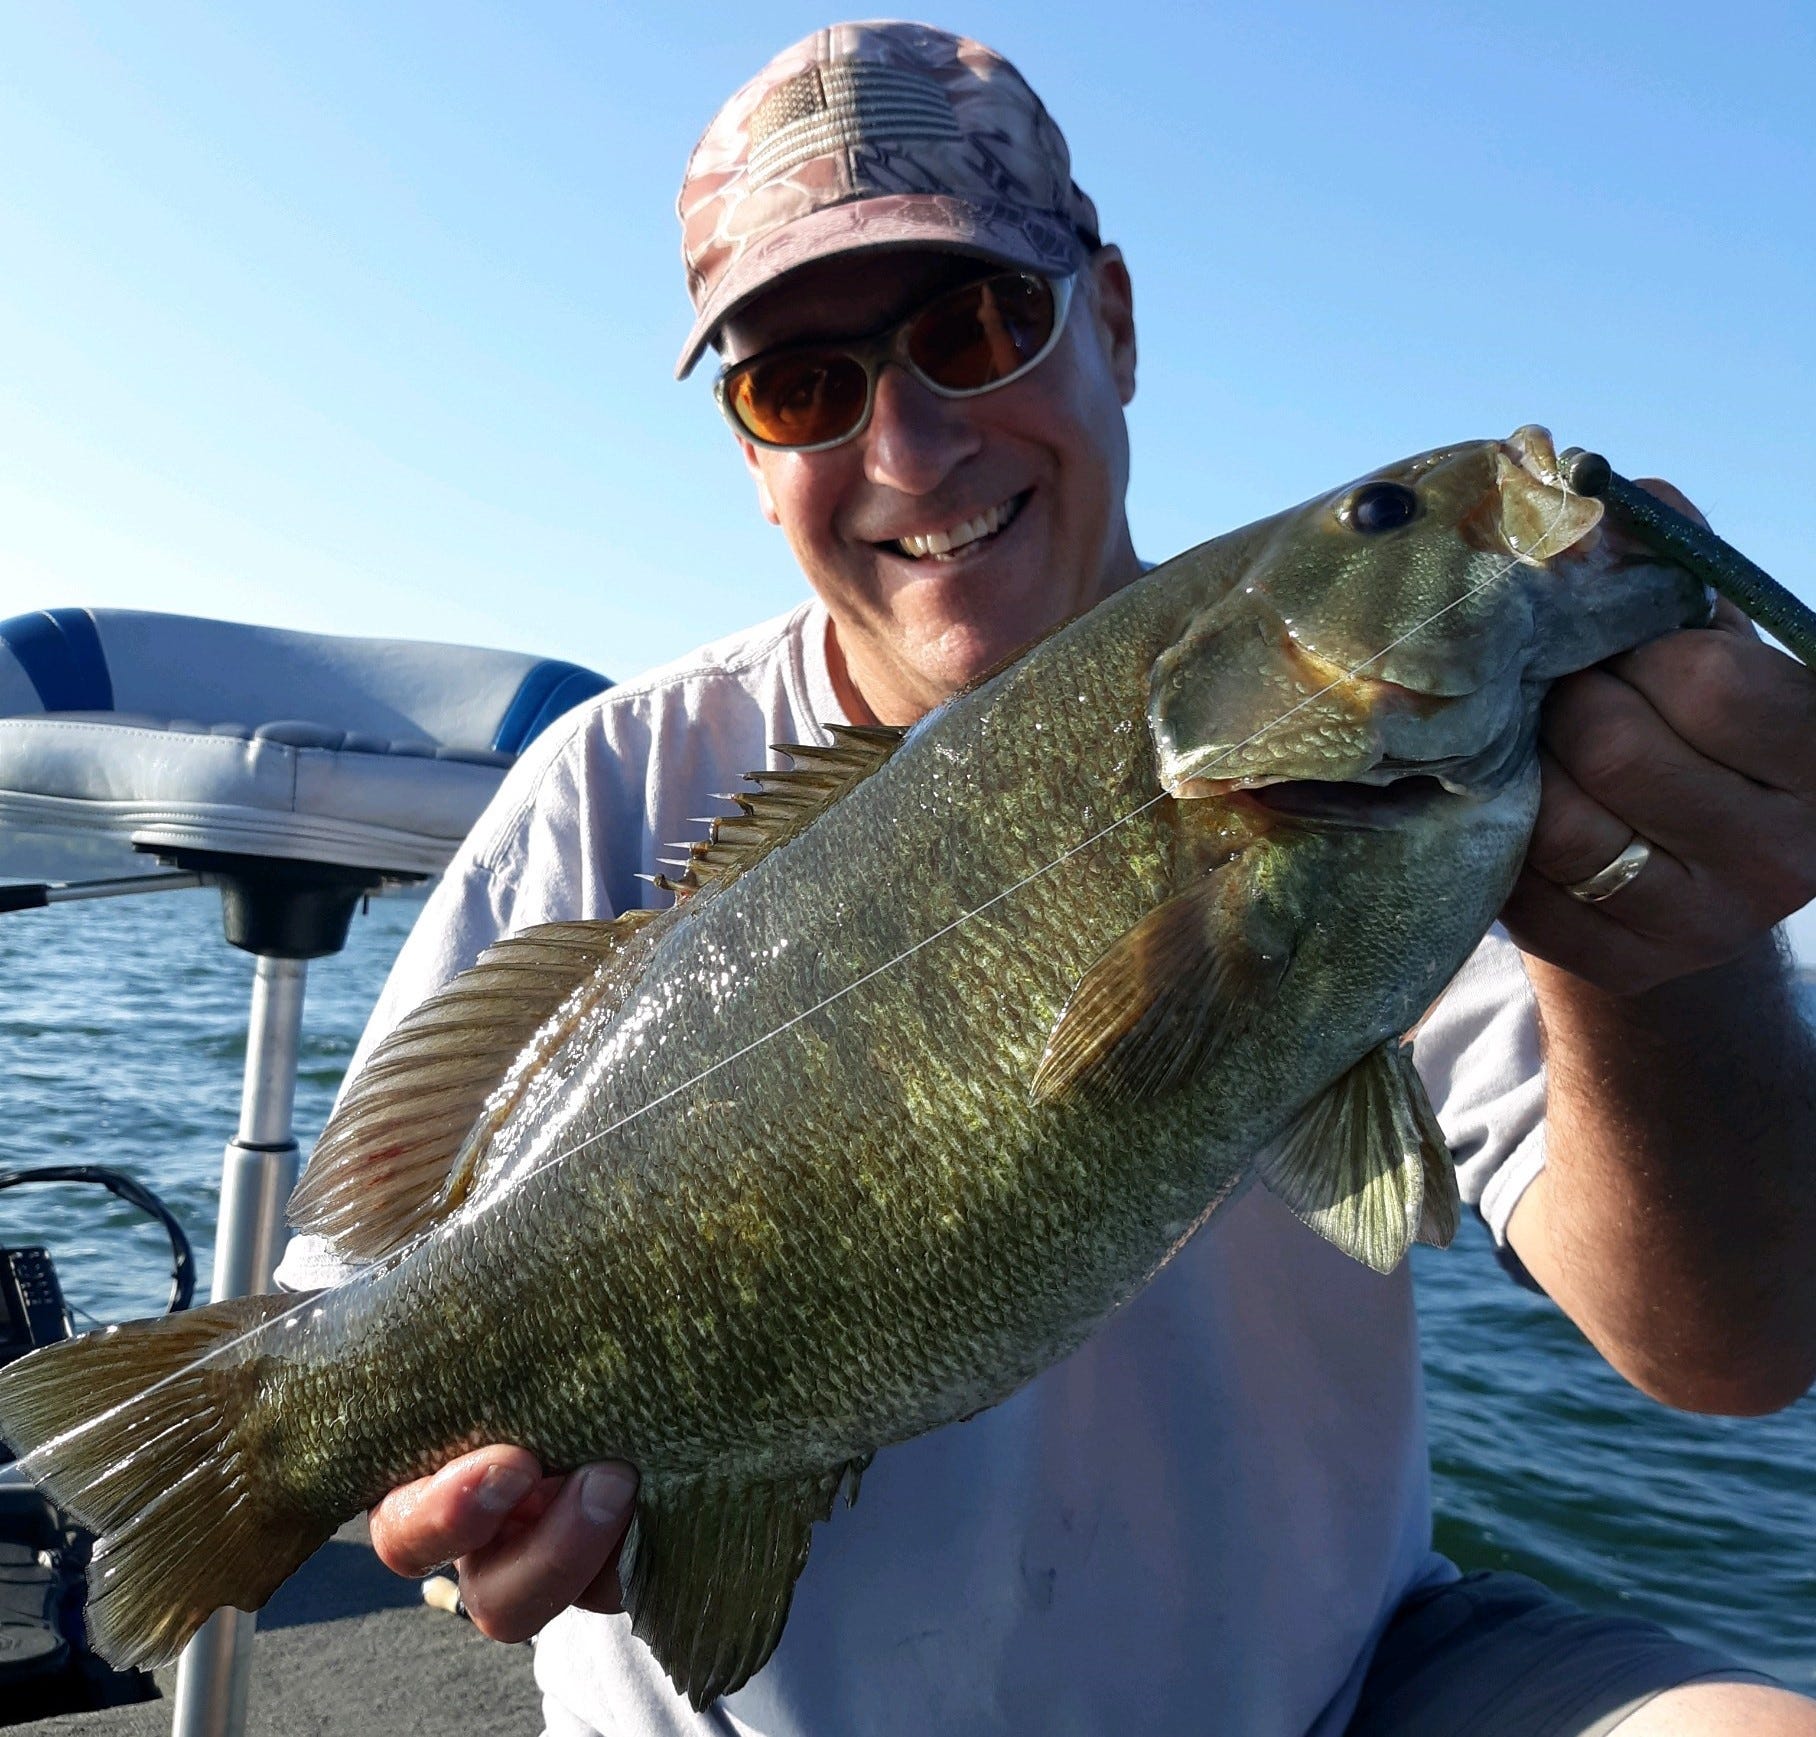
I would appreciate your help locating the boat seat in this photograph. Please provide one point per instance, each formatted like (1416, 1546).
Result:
(176, 732)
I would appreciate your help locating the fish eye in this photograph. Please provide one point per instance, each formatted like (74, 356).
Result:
(1379, 506)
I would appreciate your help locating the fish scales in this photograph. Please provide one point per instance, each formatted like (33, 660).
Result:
(718, 1287)
(893, 1113)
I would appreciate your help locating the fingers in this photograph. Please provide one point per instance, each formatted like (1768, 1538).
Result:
(1701, 743)
(463, 1507)
(1751, 849)
(1730, 857)
(1615, 945)
(1576, 836)
(567, 1555)
(1545, 921)
(1729, 617)
(527, 1546)
(1733, 698)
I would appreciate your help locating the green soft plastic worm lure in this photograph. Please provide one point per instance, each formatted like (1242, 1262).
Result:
(1696, 548)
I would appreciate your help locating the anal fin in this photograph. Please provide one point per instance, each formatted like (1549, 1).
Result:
(709, 1570)
(1365, 1164)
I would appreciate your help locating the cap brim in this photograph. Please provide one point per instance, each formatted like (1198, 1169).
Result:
(918, 220)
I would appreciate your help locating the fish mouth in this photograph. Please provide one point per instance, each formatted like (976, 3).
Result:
(1531, 507)
(1368, 807)
(1329, 802)
(1533, 449)
(1553, 525)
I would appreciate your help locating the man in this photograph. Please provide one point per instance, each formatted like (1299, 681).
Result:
(1215, 1517)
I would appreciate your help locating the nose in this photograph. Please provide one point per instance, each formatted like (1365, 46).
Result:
(916, 438)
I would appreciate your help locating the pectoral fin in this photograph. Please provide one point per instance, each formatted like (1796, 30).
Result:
(709, 1570)
(1366, 1166)
(1165, 996)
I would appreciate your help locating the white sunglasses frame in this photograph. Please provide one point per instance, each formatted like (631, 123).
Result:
(891, 345)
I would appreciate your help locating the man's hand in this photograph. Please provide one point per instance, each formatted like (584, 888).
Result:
(527, 1546)
(1673, 1221)
(1702, 743)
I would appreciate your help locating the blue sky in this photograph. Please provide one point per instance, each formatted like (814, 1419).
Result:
(362, 319)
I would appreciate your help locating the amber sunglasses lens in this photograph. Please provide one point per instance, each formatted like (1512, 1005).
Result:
(799, 399)
(975, 337)
(983, 332)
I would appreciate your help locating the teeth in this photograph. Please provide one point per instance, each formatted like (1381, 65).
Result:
(947, 542)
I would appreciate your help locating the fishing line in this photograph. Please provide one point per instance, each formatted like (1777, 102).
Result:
(410, 1246)
(1014, 887)
(403, 1250)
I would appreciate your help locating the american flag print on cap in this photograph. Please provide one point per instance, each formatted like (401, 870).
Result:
(874, 135)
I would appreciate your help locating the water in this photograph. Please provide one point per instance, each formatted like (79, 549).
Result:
(122, 1042)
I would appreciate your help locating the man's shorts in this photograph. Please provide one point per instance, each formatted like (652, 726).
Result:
(1496, 1655)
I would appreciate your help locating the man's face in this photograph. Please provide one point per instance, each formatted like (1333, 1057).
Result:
(1048, 451)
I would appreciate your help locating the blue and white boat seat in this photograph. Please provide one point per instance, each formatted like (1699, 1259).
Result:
(173, 732)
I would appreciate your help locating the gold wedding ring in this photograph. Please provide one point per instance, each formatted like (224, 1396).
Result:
(1605, 883)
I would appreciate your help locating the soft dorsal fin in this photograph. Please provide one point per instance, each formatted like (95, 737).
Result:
(709, 1569)
(404, 1145)
(1365, 1164)
(782, 804)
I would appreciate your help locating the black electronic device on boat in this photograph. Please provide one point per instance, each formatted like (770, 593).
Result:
(46, 1668)
(32, 1312)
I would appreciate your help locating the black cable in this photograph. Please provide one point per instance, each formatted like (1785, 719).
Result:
(182, 1260)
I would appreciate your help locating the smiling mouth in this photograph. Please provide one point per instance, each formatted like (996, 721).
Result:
(948, 544)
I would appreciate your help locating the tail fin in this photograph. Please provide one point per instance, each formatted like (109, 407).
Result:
(143, 1436)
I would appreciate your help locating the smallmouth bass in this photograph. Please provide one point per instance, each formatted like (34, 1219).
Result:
(955, 1040)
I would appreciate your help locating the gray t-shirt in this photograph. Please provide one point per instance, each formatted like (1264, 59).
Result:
(1199, 1521)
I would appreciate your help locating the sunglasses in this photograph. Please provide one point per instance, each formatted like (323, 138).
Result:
(966, 341)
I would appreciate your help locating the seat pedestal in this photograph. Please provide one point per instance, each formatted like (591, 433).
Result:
(285, 913)
(265, 762)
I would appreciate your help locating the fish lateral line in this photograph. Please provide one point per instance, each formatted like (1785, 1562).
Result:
(402, 1250)
(1366, 1168)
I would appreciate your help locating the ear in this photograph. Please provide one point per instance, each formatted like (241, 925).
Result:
(753, 462)
(1113, 309)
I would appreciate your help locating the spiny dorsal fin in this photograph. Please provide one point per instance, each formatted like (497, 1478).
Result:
(709, 1569)
(405, 1145)
(1366, 1165)
(782, 803)
(1165, 996)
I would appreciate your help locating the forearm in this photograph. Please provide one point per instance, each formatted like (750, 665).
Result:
(1675, 1221)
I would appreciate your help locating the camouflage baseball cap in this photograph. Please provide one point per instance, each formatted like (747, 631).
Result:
(874, 135)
